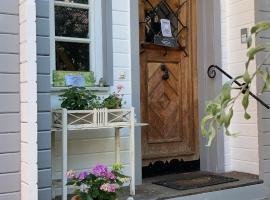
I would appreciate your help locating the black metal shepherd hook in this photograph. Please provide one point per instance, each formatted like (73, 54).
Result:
(211, 72)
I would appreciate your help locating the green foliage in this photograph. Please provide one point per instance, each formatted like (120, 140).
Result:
(112, 102)
(265, 75)
(220, 110)
(253, 51)
(77, 98)
(260, 27)
(117, 167)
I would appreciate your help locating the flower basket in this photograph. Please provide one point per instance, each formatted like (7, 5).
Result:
(115, 116)
(92, 118)
(80, 118)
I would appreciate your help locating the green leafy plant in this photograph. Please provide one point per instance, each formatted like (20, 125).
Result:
(112, 102)
(76, 98)
(79, 98)
(220, 111)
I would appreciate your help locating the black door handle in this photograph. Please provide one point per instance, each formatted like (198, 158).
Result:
(165, 69)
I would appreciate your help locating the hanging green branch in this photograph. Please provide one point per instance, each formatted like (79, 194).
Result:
(220, 110)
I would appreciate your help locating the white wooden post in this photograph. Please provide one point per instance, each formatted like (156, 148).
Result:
(64, 154)
(117, 145)
(132, 152)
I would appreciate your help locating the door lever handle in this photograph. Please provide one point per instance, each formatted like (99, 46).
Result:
(166, 74)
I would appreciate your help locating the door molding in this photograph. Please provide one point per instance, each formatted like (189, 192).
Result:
(169, 105)
(135, 82)
(208, 13)
(209, 37)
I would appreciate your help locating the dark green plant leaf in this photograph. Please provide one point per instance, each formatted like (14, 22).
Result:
(264, 73)
(247, 116)
(253, 51)
(245, 100)
(259, 27)
(228, 133)
(204, 122)
(245, 103)
(212, 134)
(249, 41)
(89, 198)
(226, 92)
(247, 77)
(228, 117)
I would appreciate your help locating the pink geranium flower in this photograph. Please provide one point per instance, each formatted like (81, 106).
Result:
(109, 187)
(71, 174)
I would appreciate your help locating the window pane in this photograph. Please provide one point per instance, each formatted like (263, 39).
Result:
(72, 56)
(71, 22)
(75, 1)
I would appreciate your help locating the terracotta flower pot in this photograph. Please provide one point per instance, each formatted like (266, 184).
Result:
(76, 198)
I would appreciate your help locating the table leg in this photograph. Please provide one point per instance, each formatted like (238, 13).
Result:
(117, 145)
(64, 155)
(132, 154)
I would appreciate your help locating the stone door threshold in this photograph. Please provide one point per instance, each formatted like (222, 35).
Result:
(149, 191)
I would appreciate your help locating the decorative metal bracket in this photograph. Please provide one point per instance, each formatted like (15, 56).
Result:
(211, 72)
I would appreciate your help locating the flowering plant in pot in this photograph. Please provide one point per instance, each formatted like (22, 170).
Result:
(114, 100)
(99, 183)
(79, 98)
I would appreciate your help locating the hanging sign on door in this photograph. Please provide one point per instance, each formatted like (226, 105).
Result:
(166, 27)
(167, 38)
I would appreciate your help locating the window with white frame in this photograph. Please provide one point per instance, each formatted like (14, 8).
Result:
(76, 36)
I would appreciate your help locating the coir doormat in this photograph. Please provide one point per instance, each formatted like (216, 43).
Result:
(192, 181)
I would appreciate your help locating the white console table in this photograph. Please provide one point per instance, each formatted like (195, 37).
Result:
(69, 120)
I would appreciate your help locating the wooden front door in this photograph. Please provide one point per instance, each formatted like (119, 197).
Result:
(169, 100)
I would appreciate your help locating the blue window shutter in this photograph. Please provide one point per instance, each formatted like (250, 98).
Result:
(107, 41)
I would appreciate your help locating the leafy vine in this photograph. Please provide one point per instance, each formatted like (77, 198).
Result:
(220, 111)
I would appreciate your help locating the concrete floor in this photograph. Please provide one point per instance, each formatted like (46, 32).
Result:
(149, 191)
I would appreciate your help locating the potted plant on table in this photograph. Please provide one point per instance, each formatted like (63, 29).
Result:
(114, 101)
(79, 98)
(99, 183)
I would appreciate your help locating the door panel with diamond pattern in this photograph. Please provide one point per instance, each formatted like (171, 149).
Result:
(169, 104)
(163, 104)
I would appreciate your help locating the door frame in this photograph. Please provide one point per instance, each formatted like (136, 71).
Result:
(209, 35)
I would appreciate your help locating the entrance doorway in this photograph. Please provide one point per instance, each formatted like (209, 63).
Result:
(169, 88)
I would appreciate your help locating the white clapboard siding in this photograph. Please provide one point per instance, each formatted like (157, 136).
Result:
(263, 13)
(241, 154)
(85, 149)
